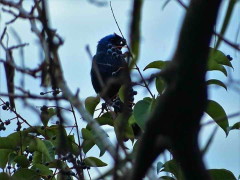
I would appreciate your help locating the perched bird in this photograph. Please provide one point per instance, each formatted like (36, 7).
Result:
(107, 73)
(107, 66)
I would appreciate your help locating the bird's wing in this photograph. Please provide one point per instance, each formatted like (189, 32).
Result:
(105, 63)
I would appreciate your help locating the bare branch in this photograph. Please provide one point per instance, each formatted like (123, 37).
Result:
(30, 96)
(18, 46)
(235, 46)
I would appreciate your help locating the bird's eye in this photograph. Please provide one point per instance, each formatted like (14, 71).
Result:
(121, 43)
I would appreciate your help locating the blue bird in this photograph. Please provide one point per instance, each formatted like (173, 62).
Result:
(106, 73)
(107, 69)
(107, 65)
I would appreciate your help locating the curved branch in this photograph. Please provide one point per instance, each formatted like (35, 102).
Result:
(179, 110)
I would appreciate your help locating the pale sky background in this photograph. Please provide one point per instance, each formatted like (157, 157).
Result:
(81, 23)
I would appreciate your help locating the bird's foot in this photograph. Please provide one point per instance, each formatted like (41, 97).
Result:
(104, 107)
(117, 105)
(117, 72)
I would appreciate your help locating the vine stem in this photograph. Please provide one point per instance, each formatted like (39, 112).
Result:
(81, 175)
(18, 115)
(76, 126)
(144, 81)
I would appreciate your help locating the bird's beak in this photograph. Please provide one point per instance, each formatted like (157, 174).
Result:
(120, 47)
(125, 47)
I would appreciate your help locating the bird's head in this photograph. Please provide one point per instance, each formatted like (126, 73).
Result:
(112, 40)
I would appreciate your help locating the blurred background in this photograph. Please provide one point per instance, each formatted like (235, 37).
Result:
(81, 23)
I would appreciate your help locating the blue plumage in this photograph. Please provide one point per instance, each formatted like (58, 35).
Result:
(108, 61)
(107, 66)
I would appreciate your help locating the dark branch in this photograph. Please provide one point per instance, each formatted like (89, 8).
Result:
(179, 110)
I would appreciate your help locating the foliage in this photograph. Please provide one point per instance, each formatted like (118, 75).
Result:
(52, 151)
(32, 152)
(174, 168)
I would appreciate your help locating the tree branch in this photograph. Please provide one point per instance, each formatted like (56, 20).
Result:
(179, 110)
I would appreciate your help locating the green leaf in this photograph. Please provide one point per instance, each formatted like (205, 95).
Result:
(216, 82)
(219, 57)
(11, 157)
(105, 119)
(142, 111)
(134, 150)
(235, 126)
(94, 162)
(87, 145)
(131, 120)
(49, 145)
(48, 132)
(217, 113)
(4, 176)
(14, 140)
(23, 174)
(72, 145)
(121, 93)
(59, 164)
(101, 147)
(128, 133)
(159, 166)
(88, 142)
(160, 85)
(157, 65)
(4, 153)
(37, 157)
(91, 104)
(58, 137)
(22, 161)
(40, 146)
(216, 61)
(88, 135)
(221, 174)
(125, 132)
(42, 169)
(173, 167)
(52, 131)
(47, 114)
(62, 176)
(214, 66)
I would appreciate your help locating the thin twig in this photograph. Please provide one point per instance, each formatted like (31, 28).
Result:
(89, 174)
(78, 136)
(18, 46)
(143, 80)
(235, 46)
(31, 96)
(4, 32)
(18, 115)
